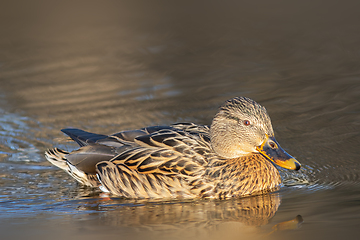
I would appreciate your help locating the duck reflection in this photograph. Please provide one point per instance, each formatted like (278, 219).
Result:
(250, 216)
(254, 211)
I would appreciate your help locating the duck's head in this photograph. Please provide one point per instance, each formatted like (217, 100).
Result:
(242, 127)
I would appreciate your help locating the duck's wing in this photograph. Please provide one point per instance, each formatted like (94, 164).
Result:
(82, 137)
(95, 148)
(162, 164)
(161, 158)
(167, 151)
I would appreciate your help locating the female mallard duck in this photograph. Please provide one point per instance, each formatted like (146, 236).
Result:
(232, 158)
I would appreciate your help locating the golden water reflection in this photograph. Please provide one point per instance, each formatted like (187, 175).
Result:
(163, 219)
(253, 211)
(210, 219)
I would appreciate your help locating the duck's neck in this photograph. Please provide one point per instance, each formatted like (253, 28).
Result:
(244, 176)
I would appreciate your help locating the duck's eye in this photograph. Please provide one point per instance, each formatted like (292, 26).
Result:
(272, 145)
(246, 122)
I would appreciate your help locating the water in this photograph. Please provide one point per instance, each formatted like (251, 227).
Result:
(112, 66)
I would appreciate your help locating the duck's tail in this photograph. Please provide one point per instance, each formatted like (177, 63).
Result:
(58, 158)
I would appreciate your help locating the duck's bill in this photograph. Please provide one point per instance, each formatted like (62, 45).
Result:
(271, 149)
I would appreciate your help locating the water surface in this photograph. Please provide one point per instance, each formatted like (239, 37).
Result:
(111, 66)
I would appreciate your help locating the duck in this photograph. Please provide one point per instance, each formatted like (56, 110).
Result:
(236, 156)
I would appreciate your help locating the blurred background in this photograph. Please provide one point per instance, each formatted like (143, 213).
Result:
(106, 66)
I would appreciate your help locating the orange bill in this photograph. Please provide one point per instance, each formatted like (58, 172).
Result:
(271, 149)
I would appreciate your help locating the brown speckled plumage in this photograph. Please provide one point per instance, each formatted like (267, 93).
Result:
(182, 160)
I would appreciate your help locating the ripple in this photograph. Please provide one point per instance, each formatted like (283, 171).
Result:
(295, 178)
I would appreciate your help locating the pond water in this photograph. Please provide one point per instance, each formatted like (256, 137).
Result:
(117, 65)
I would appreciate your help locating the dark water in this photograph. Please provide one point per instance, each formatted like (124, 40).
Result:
(110, 66)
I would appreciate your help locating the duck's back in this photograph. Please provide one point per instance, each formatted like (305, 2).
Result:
(158, 161)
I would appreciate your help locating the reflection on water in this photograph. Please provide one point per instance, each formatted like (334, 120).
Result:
(179, 218)
(125, 65)
(252, 211)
